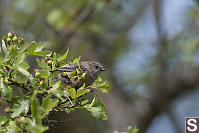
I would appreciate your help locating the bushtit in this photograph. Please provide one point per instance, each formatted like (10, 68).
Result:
(91, 70)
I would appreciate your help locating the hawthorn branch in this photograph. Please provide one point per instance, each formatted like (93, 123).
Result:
(173, 119)
(177, 82)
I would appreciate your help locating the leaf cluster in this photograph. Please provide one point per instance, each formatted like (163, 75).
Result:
(33, 97)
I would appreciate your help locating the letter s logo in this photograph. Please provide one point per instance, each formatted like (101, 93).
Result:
(191, 125)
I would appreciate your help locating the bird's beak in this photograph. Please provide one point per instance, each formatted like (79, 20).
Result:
(103, 69)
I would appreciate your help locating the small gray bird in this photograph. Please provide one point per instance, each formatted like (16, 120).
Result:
(91, 68)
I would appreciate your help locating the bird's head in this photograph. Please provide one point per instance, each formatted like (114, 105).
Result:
(92, 67)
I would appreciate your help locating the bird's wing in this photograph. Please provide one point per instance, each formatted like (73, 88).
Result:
(69, 68)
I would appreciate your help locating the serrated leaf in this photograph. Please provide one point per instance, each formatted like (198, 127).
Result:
(22, 69)
(64, 56)
(72, 93)
(58, 93)
(48, 104)
(31, 48)
(81, 91)
(24, 47)
(19, 59)
(34, 127)
(21, 107)
(39, 47)
(97, 109)
(36, 109)
(101, 85)
(20, 78)
(6, 91)
(36, 49)
(39, 63)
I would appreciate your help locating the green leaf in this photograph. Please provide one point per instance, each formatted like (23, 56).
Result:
(101, 85)
(6, 91)
(25, 66)
(44, 74)
(55, 90)
(57, 93)
(24, 47)
(48, 104)
(19, 59)
(72, 93)
(42, 53)
(4, 48)
(12, 127)
(22, 69)
(21, 107)
(36, 109)
(54, 60)
(64, 56)
(81, 91)
(32, 47)
(56, 85)
(20, 78)
(39, 47)
(84, 102)
(13, 50)
(40, 63)
(73, 74)
(34, 127)
(36, 49)
(43, 64)
(97, 109)
(3, 119)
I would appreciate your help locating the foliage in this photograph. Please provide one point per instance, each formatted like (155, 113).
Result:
(39, 94)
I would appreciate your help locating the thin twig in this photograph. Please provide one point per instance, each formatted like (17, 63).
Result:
(17, 84)
(6, 100)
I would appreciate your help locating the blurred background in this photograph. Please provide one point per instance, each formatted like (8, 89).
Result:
(150, 49)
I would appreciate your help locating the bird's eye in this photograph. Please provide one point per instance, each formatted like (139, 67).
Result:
(96, 67)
